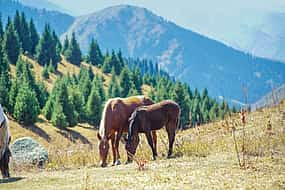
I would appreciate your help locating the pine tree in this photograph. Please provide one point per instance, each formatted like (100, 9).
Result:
(65, 45)
(94, 106)
(45, 73)
(34, 37)
(17, 24)
(77, 100)
(106, 67)
(94, 54)
(85, 83)
(58, 47)
(13, 94)
(5, 82)
(46, 48)
(73, 53)
(51, 68)
(58, 118)
(125, 82)
(1, 28)
(181, 97)
(115, 63)
(26, 107)
(98, 82)
(114, 89)
(11, 44)
(137, 80)
(24, 34)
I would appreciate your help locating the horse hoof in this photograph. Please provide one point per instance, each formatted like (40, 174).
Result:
(118, 162)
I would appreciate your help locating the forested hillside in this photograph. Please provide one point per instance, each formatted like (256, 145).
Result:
(77, 97)
(186, 55)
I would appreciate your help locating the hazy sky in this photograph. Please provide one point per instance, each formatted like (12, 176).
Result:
(179, 11)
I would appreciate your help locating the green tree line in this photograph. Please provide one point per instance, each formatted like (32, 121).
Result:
(80, 97)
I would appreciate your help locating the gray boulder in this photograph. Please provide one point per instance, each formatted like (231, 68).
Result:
(28, 151)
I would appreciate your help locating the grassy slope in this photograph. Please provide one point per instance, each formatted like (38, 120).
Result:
(204, 157)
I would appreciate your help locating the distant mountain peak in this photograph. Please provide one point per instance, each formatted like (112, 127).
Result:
(198, 60)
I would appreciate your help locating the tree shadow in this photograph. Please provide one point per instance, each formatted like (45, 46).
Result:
(40, 132)
(89, 128)
(11, 180)
(73, 136)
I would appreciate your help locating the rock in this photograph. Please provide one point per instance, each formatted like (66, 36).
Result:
(28, 151)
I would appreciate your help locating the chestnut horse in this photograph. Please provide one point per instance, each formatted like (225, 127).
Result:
(5, 139)
(114, 122)
(150, 118)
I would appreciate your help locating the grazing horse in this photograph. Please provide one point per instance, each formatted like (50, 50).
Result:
(114, 122)
(153, 117)
(5, 139)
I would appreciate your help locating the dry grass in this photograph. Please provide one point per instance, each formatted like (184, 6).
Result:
(204, 158)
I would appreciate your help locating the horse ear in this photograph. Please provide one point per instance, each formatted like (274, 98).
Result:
(99, 137)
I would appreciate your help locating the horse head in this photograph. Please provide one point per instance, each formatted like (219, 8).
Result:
(103, 149)
(133, 137)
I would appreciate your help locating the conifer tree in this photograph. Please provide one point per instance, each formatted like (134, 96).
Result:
(107, 67)
(180, 97)
(46, 49)
(34, 37)
(1, 28)
(94, 54)
(58, 118)
(115, 63)
(73, 53)
(77, 100)
(65, 45)
(58, 47)
(137, 80)
(5, 82)
(51, 68)
(84, 83)
(94, 106)
(13, 94)
(98, 82)
(11, 44)
(26, 107)
(45, 73)
(125, 82)
(114, 89)
(24, 35)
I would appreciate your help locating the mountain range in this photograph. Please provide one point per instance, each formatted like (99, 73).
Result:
(188, 56)
(58, 21)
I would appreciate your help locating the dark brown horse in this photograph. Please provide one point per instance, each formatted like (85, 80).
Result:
(153, 117)
(114, 122)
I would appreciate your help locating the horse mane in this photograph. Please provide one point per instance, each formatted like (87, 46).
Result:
(103, 117)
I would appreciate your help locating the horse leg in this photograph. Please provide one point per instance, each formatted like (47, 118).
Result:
(117, 141)
(171, 130)
(149, 140)
(154, 139)
(113, 148)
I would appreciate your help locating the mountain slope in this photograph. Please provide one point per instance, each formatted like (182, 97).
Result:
(193, 58)
(44, 4)
(58, 21)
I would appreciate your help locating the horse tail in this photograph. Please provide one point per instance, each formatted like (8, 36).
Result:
(104, 118)
(178, 119)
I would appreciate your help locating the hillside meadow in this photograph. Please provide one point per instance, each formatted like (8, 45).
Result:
(204, 158)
